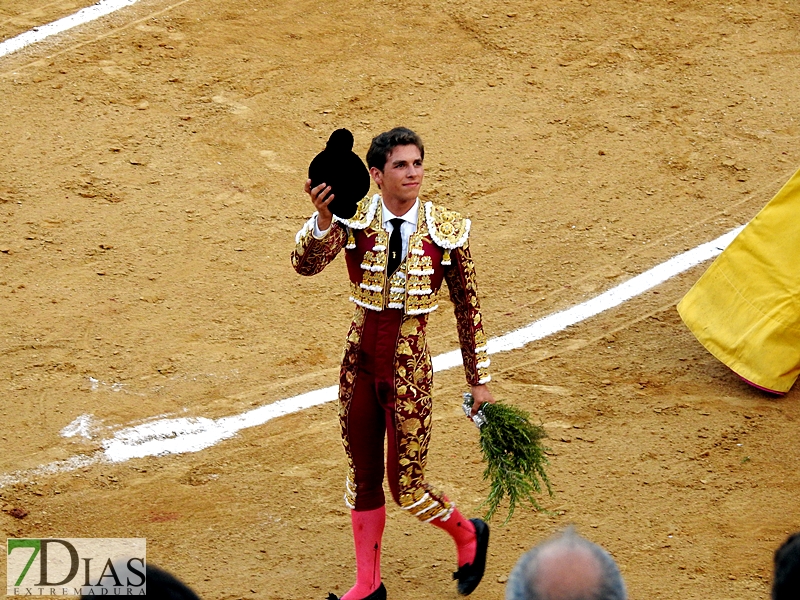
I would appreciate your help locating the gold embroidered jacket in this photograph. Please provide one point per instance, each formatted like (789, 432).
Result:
(438, 250)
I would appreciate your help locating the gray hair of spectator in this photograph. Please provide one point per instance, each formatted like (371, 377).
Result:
(523, 583)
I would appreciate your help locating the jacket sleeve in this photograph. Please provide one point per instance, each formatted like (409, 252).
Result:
(460, 277)
(311, 255)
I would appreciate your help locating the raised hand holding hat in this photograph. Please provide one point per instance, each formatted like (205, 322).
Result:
(343, 171)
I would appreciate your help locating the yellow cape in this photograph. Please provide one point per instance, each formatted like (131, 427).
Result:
(745, 309)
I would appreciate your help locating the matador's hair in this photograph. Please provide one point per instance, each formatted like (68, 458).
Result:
(383, 144)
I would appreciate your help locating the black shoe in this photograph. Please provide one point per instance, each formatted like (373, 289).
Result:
(379, 594)
(470, 574)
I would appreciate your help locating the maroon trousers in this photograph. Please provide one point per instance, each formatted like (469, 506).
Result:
(385, 393)
(371, 414)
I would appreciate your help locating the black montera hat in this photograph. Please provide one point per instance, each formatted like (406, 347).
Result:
(339, 167)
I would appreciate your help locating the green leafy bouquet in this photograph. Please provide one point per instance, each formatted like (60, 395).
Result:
(514, 455)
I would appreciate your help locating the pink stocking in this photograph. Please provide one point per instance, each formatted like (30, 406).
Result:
(463, 533)
(367, 532)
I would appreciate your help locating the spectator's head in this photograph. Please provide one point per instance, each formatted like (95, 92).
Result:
(566, 567)
(786, 584)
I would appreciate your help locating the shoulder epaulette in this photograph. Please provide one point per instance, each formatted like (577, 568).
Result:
(447, 228)
(365, 212)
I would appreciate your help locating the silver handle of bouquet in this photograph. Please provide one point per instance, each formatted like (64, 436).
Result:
(478, 418)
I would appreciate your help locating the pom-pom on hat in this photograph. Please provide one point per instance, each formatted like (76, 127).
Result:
(339, 167)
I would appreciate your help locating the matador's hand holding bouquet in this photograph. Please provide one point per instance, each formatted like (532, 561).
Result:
(514, 455)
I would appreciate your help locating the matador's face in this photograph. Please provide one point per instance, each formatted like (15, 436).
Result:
(402, 175)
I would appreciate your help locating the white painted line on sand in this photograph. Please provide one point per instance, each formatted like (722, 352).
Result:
(73, 463)
(85, 15)
(180, 435)
(191, 434)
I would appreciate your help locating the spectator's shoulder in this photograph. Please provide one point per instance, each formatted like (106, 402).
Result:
(447, 228)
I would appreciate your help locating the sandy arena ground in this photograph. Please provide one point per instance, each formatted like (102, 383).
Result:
(151, 173)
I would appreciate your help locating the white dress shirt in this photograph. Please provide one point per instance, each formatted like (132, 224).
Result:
(408, 227)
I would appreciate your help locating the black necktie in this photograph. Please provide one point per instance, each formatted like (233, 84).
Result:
(395, 246)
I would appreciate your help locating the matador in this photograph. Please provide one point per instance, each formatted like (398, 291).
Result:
(398, 251)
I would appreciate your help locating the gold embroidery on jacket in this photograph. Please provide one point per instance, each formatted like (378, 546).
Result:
(420, 297)
(311, 255)
(369, 293)
(448, 229)
(407, 289)
(397, 288)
